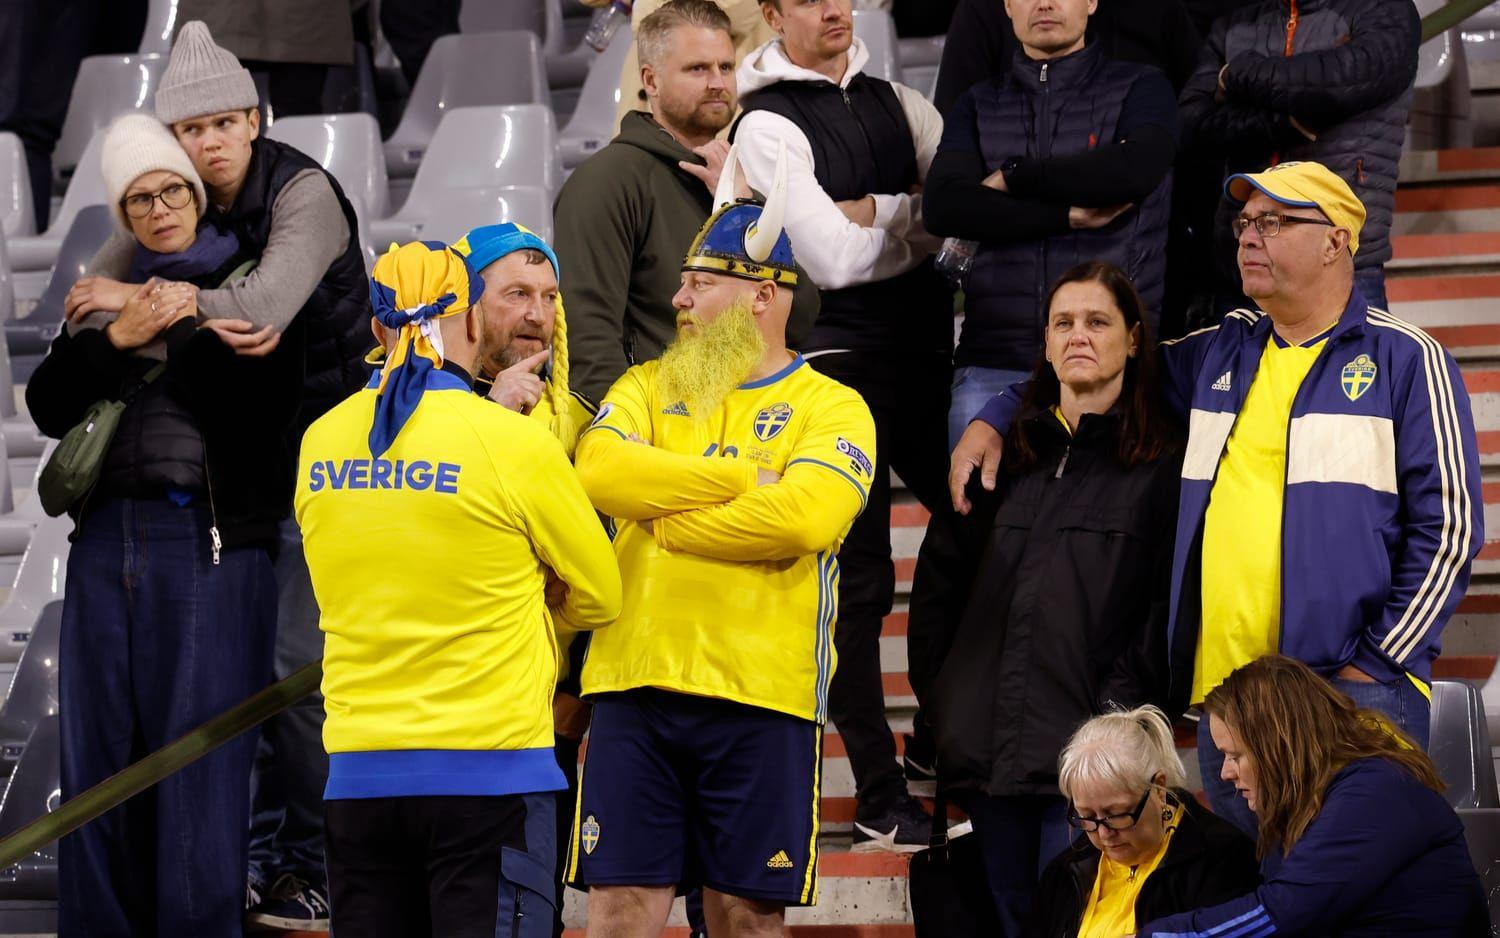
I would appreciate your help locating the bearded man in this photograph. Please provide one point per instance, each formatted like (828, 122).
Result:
(732, 471)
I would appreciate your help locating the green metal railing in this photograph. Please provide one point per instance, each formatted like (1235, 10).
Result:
(1439, 21)
(136, 778)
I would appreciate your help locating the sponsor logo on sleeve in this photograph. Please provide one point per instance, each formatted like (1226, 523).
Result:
(858, 461)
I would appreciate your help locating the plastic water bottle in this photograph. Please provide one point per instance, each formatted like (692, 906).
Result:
(606, 23)
(956, 259)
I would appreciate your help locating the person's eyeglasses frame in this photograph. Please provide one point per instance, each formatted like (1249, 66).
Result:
(1240, 222)
(148, 200)
(1110, 820)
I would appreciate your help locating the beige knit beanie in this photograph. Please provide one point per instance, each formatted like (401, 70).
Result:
(137, 144)
(202, 78)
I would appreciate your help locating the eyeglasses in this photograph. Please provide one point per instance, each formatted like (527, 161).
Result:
(1115, 822)
(1268, 225)
(177, 195)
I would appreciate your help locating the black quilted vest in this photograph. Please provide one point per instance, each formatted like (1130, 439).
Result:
(337, 315)
(862, 145)
(1041, 110)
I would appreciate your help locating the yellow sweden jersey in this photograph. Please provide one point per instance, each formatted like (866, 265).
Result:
(428, 564)
(730, 589)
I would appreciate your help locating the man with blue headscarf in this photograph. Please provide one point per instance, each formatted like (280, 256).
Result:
(432, 521)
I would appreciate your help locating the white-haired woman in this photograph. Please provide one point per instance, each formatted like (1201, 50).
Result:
(1151, 849)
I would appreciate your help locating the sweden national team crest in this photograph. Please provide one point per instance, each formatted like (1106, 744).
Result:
(1358, 376)
(772, 421)
(588, 834)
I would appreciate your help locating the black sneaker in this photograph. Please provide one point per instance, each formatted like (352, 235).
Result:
(906, 828)
(917, 765)
(293, 905)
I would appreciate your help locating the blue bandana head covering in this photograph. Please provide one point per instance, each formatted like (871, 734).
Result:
(488, 243)
(413, 286)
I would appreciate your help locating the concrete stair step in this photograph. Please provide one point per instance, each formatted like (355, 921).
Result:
(1479, 250)
(1448, 166)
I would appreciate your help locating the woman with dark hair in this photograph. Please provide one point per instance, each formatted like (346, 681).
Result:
(1355, 837)
(1048, 602)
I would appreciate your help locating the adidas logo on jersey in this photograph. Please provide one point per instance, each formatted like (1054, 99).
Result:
(780, 861)
(1223, 383)
(678, 409)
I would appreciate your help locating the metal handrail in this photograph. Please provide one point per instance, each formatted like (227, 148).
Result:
(1441, 20)
(137, 777)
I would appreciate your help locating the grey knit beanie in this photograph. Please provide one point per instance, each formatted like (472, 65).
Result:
(202, 78)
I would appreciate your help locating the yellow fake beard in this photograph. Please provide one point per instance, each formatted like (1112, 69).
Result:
(701, 368)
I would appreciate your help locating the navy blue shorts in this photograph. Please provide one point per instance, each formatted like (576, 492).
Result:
(694, 791)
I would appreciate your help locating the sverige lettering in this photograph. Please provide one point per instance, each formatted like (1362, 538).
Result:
(351, 474)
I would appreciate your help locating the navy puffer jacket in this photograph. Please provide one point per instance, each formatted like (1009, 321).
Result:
(1342, 69)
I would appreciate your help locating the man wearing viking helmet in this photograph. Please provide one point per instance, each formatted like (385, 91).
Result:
(733, 472)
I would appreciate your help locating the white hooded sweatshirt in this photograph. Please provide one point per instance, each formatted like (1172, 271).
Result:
(835, 251)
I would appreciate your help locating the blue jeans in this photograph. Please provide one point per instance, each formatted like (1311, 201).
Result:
(1018, 837)
(156, 640)
(1399, 700)
(973, 387)
(291, 768)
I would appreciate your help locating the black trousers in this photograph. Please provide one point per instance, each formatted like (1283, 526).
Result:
(908, 397)
(412, 26)
(442, 866)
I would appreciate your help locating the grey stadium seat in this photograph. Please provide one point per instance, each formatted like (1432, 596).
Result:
(41, 580)
(877, 31)
(593, 123)
(1459, 743)
(39, 252)
(161, 26)
(91, 227)
(107, 86)
(34, 790)
(16, 210)
(33, 688)
(349, 147)
(465, 70)
(477, 150)
(449, 214)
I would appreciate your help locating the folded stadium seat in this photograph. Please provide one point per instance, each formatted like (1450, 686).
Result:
(1482, 832)
(40, 580)
(348, 146)
(1459, 743)
(31, 256)
(34, 790)
(448, 214)
(107, 86)
(920, 58)
(33, 335)
(465, 70)
(478, 148)
(17, 216)
(161, 25)
(593, 123)
(877, 30)
(536, 16)
(33, 688)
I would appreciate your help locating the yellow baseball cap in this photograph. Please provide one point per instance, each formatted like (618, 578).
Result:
(1304, 184)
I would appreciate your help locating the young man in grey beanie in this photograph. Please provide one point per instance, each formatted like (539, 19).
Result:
(283, 206)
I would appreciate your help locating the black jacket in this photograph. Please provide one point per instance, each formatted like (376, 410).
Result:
(1348, 82)
(1208, 861)
(1045, 603)
(242, 410)
(335, 320)
(981, 41)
